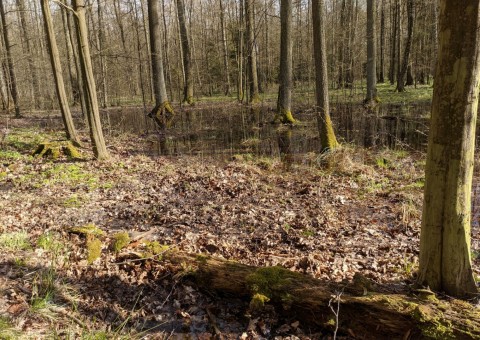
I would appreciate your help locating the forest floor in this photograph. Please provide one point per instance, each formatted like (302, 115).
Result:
(357, 211)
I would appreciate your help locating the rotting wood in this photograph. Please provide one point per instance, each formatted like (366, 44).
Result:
(366, 314)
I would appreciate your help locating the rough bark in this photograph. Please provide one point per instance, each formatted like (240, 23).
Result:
(163, 112)
(88, 79)
(103, 60)
(381, 73)
(284, 100)
(240, 54)
(57, 75)
(371, 54)
(11, 69)
(445, 259)
(325, 127)
(366, 310)
(252, 52)
(186, 54)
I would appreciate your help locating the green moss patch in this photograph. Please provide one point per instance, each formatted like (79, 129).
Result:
(94, 249)
(89, 229)
(120, 241)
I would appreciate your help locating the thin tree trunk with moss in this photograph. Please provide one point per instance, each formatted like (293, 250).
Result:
(408, 47)
(324, 122)
(88, 79)
(371, 54)
(252, 52)
(186, 54)
(284, 100)
(11, 69)
(57, 74)
(163, 112)
(445, 258)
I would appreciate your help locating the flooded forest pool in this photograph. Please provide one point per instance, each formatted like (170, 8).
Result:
(230, 129)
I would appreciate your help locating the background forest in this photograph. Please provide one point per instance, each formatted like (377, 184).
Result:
(239, 169)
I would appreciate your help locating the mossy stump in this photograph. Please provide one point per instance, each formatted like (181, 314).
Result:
(55, 149)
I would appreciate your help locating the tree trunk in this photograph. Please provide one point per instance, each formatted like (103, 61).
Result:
(75, 98)
(284, 101)
(325, 127)
(103, 60)
(11, 69)
(252, 52)
(186, 53)
(445, 258)
(371, 54)
(408, 46)
(88, 79)
(381, 74)
(240, 93)
(225, 50)
(365, 310)
(58, 76)
(29, 51)
(393, 41)
(163, 112)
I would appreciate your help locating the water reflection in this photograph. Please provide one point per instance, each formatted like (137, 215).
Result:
(225, 130)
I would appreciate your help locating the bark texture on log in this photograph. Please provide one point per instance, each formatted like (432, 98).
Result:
(363, 313)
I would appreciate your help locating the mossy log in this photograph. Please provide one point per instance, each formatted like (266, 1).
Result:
(54, 149)
(363, 313)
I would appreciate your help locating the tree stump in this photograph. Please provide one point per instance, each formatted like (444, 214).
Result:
(55, 149)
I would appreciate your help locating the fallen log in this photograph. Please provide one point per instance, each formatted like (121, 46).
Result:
(362, 313)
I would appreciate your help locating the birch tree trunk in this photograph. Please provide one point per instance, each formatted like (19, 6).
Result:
(325, 127)
(57, 74)
(445, 259)
(88, 80)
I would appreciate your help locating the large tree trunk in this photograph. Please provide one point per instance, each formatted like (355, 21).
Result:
(445, 259)
(11, 69)
(252, 52)
(58, 76)
(88, 79)
(408, 46)
(371, 54)
(325, 127)
(365, 310)
(163, 112)
(284, 100)
(186, 53)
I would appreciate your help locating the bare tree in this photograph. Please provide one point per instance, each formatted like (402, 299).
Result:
(252, 52)
(90, 91)
(371, 54)
(58, 76)
(186, 53)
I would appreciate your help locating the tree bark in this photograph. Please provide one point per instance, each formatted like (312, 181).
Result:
(163, 112)
(11, 69)
(408, 46)
(284, 100)
(381, 73)
(371, 54)
(29, 51)
(58, 75)
(240, 93)
(252, 52)
(225, 50)
(88, 79)
(366, 310)
(325, 127)
(186, 53)
(102, 43)
(445, 259)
